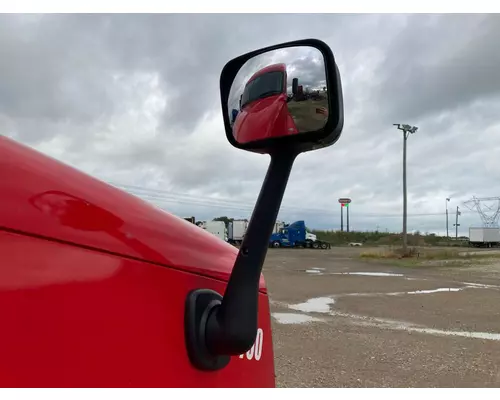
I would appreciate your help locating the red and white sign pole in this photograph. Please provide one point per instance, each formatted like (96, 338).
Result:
(344, 202)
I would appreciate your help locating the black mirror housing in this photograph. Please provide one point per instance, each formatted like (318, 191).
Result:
(305, 141)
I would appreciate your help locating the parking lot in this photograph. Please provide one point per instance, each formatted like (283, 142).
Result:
(340, 321)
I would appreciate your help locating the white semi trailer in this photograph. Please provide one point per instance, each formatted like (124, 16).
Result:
(484, 237)
(238, 227)
(236, 231)
(216, 228)
(278, 226)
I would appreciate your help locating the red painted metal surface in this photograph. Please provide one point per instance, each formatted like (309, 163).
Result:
(263, 119)
(93, 283)
(44, 197)
(267, 117)
(75, 317)
(280, 67)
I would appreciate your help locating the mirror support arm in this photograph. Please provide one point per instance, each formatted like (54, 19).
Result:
(233, 326)
(216, 327)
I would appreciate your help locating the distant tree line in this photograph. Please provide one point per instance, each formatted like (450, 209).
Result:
(386, 238)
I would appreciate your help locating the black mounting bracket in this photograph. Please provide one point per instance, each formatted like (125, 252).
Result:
(200, 304)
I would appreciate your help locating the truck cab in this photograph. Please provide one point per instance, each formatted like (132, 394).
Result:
(93, 283)
(296, 235)
(290, 236)
(99, 288)
(264, 105)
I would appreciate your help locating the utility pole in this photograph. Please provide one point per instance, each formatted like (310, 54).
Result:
(341, 218)
(446, 205)
(347, 206)
(407, 130)
(456, 224)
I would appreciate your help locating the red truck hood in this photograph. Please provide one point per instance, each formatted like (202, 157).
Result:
(44, 197)
(260, 119)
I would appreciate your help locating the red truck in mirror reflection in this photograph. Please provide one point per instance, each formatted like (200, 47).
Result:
(264, 112)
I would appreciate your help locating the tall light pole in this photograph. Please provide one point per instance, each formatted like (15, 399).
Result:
(407, 130)
(446, 205)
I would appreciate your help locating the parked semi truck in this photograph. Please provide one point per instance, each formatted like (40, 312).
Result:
(484, 237)
(296, 235)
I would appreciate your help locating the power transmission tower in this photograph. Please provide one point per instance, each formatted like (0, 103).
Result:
(488, 209)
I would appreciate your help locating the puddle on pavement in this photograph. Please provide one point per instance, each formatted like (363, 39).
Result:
(404, 326)
(367, 273)
(316, 271)
(480, 285)
(426, 291)
(466, 334)
(294, 318)
(321, 271)
(322, 305)
(317, 305)
(408, 327)
(436, 290)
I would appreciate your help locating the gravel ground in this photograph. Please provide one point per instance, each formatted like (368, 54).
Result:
(342, 322)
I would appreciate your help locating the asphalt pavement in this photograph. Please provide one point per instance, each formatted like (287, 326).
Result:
(339, 321)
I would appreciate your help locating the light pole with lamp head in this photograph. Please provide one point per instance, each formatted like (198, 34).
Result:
(446, 204)
(407, 129)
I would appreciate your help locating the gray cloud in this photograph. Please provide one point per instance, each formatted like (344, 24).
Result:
(459, 67)
(134, 99)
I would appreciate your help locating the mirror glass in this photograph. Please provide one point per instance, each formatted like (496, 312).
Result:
(278, 93)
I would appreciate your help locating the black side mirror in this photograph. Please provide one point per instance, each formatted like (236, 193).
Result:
(269, 122)
(260, 79)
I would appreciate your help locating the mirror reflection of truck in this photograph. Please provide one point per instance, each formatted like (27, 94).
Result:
(296, 235)
(263, 106)
(484, 237)
(301, 94)
(298, 91)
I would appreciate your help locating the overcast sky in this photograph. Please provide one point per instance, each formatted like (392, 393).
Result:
(134, 100)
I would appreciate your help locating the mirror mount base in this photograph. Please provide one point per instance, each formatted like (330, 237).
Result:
(200, 303)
